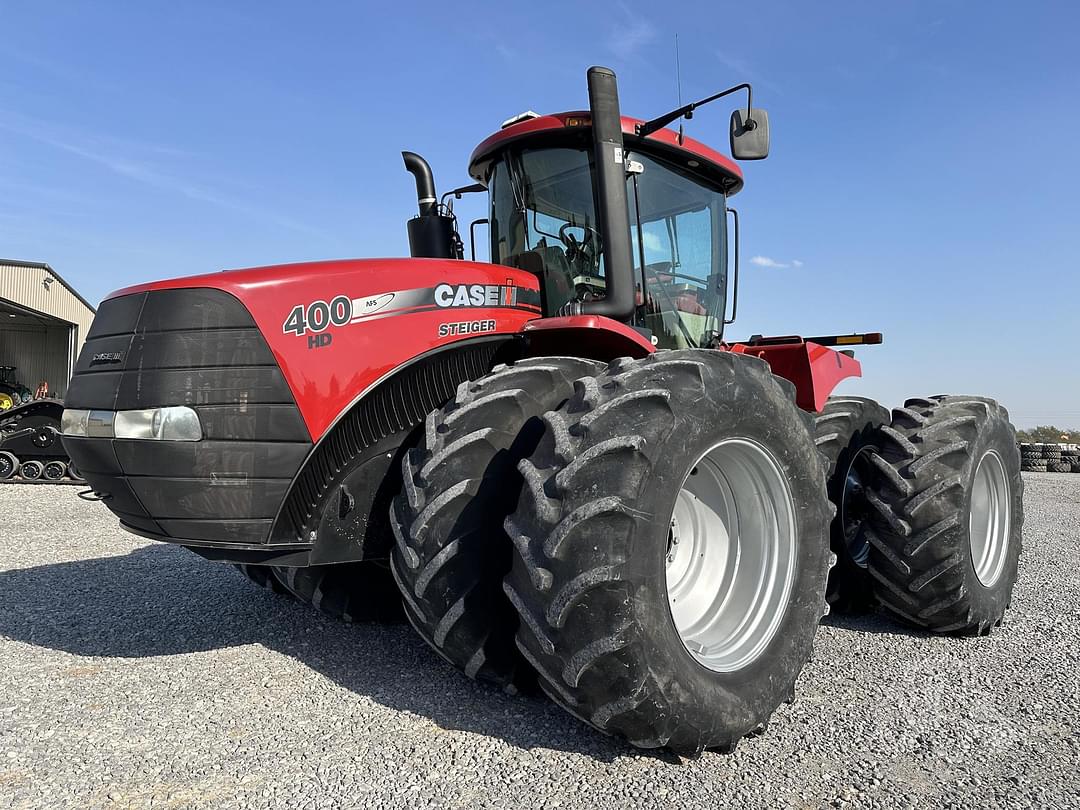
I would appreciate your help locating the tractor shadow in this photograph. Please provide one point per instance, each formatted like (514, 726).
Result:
(163, 600)
(874, 621)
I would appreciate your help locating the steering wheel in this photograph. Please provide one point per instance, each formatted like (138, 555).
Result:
(574, 248)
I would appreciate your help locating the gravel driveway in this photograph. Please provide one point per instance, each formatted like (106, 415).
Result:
(136, 674)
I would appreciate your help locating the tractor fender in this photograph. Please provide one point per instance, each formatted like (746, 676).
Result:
(590, 336)
(814, 370)
(353, 469)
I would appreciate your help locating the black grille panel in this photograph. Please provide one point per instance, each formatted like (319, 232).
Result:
(200, 348)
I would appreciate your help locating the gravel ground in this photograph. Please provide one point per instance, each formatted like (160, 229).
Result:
(136, 674)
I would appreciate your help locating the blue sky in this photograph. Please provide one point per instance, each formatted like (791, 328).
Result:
(924, 177)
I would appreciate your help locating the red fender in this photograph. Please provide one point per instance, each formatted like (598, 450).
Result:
(592, 336)
(815, 370)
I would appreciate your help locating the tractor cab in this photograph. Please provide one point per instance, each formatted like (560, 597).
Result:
(540, 173)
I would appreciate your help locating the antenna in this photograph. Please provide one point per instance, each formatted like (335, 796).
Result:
(678, 83)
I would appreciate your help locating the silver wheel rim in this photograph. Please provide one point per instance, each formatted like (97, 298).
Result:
(988, 521)
(731, 554)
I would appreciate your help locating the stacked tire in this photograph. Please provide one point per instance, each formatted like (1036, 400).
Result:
(1046, 457)
(1070, 454)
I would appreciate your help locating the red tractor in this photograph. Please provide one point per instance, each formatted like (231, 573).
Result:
(556, 463)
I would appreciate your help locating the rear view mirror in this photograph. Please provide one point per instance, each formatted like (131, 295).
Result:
(750, 137)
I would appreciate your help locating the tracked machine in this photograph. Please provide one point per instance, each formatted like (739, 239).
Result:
(30, 447)
(557, 463)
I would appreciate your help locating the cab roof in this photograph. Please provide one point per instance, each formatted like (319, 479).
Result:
(695, 156)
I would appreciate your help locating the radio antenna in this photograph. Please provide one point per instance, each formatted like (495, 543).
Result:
(678, 83)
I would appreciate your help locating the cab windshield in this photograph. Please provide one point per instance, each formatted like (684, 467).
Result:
(543, 220)
(678, 234)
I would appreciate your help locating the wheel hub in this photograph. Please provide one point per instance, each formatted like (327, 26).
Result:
(852, 510)
(990, 518)
(730, 562)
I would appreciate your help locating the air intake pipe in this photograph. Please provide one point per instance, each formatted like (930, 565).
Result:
(611, 203)
(431, 235)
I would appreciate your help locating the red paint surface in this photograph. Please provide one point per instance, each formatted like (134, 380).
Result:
(592, 336)
(327, 380)
(557, 121)
(815, 370)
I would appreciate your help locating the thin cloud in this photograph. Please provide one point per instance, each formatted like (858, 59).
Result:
(765, 261)
(632, 34)
(76, 75)
(743, 71)
(652, 241)
(145, 173)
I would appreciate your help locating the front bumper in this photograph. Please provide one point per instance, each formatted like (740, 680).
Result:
(198, 348)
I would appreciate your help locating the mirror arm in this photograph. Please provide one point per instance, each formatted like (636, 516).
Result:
(472, 234)
(457, 192)
(687, 111)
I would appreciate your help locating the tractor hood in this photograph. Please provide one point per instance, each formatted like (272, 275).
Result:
(317, 318)
(258, 365)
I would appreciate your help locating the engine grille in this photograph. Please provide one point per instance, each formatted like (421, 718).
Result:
(200, 348)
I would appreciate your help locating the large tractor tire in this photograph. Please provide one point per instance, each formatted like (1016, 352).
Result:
(672, 549)
(459, 485)
(845, 432)
(350, 592)
(263, 576)
(948, 503)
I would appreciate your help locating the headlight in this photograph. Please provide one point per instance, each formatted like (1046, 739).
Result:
(172, 424)
(73, 422)
(99, 424)
(134, 424)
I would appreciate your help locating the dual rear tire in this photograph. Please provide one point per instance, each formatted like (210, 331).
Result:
(462, 480)
(846, 432)
(671, 550)
(947, 514)
(929, 509)
(650, 542)
(348, 592)
(655, 556)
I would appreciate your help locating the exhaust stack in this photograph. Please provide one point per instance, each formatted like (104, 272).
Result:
(431, 235)
(612, 211)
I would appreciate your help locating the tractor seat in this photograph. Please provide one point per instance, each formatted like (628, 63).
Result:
(550, 266)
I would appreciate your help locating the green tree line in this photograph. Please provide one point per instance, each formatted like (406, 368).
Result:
(1048, 433)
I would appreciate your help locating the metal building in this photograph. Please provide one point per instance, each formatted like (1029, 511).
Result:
(43, 323)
